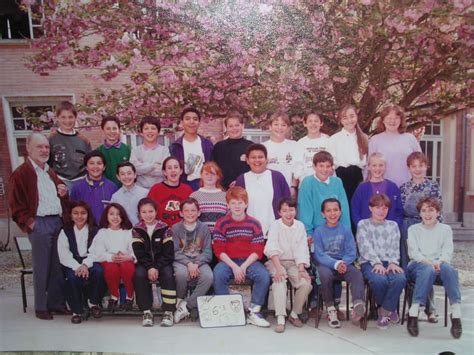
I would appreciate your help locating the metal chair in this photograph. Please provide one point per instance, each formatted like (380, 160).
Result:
(23, 244)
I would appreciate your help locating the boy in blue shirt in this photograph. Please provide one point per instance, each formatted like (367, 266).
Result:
(335, 251)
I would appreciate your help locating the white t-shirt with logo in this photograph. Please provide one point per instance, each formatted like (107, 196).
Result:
(310, 147)
(285, 157)
(193, 158)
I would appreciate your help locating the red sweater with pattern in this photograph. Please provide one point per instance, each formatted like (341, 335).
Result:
(238, 239)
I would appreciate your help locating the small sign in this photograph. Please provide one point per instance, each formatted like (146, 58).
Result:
(221, 311)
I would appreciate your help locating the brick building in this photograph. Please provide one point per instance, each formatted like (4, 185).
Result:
(448, 143)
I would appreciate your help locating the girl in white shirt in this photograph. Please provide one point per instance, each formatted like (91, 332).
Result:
(349, 148)
(78, 264)
(112, 246)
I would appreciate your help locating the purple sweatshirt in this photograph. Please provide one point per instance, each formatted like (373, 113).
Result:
(363, 193)
(94, 193)
(280, 188)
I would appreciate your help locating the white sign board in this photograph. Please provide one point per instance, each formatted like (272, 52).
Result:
(221, 311)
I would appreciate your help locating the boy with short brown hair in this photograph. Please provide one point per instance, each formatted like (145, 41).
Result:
(68, 146)
(430, 248)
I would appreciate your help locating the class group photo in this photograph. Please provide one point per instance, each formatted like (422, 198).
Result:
(237, 177)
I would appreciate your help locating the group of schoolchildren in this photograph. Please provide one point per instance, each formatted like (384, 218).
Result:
(167, 216)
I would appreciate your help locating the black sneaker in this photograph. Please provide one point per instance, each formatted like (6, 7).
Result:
(412, 326)
(456, 327)
(112, 305)
(76, 319)
(128, 306)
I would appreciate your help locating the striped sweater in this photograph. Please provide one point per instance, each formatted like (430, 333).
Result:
(212, 205)
(238, 239)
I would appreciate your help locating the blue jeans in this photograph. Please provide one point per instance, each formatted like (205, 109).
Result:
(256, 273)
(425, 276)
(386, 288)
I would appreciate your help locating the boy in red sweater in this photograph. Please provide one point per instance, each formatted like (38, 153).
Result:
(238, 244)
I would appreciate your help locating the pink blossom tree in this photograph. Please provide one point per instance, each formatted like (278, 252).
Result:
(258, 57)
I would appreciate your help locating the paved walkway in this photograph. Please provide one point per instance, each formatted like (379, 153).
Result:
(19, 331)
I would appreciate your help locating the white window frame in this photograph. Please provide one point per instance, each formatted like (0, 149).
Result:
(31, 26)
(30, 100)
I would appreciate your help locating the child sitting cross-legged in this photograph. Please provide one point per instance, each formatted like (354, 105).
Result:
(192, 255)
(154, 250)
(287, 249)
(238, 244)
(379, 247)
(430, 248)
(335, 252)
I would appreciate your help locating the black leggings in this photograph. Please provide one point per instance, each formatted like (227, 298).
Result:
(351, 178)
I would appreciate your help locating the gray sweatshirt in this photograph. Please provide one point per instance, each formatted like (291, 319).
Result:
(192, 246)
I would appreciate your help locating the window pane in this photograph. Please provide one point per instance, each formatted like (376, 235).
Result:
(19, 125)
(21, 145)
(13, 22)
(437, 129)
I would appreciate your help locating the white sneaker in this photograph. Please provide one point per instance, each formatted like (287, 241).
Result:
(333, 322)
(181, 311)
(147, 319)
(167, 320)
(257, 319)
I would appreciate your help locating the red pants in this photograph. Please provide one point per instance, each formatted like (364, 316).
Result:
(113, 272)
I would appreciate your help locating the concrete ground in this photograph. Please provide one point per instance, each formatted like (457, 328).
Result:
(23, 332)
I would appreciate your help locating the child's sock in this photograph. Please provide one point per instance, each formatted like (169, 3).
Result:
(281, 320)
(456, 310)
(114, 298)
(90, 304)
(414, 309)
(147, 311)
(255, 308)
(293, 315)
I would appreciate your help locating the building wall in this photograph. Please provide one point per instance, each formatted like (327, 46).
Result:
(18, 81)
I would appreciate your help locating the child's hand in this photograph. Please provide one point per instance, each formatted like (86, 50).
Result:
(437, 268)
(193, 270)
(395, 269)
(303, 274)
(82, 271)
(62, 190)
(379, 269)
(280, 274)
(239, 275)
(153, 274)
(341, 268)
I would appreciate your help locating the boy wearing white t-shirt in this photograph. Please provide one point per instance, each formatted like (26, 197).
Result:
(284, 155)
(191, 148)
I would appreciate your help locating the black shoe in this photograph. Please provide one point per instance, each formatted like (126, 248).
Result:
(412, 326)
(456, 327)
(61, 311)
(44, 315)
(96, 312)
(112, 305)
(128, 306)
(76, 319)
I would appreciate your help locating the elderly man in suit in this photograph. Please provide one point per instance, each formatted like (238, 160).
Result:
(38, 200)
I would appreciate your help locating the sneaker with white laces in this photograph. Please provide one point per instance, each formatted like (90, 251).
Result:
(167, 320)
(147, 319)
(181, 311)
(333, 322)
(382, 321)
(257, 319)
